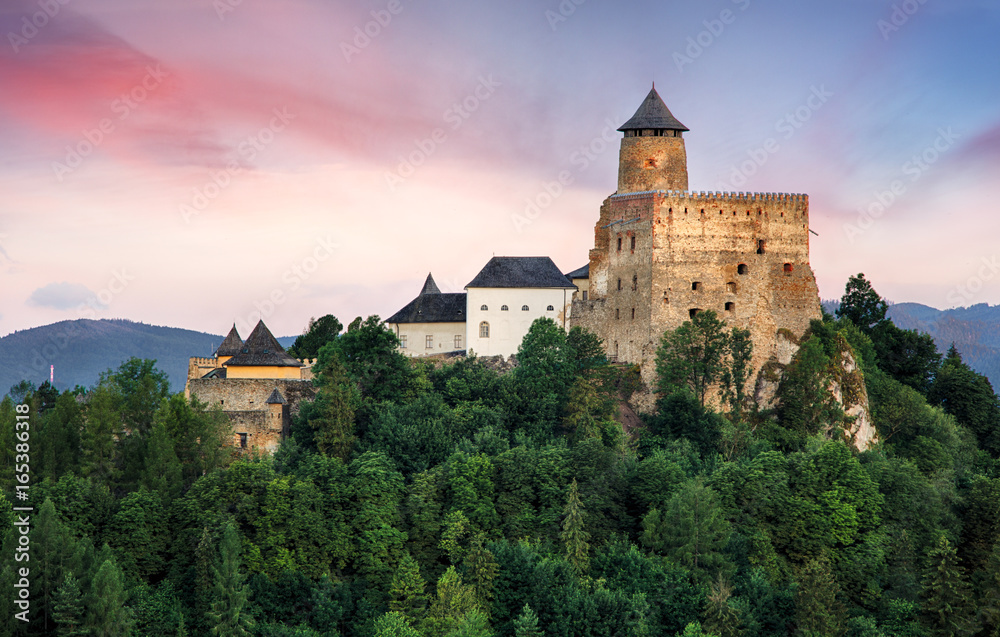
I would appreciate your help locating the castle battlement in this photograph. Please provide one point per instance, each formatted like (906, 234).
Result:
(662, 253)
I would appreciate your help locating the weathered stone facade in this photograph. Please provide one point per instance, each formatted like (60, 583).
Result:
(245, 403)
(662, 254)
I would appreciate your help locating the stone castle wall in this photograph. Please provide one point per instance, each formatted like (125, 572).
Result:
(744, 256)
(652, 163)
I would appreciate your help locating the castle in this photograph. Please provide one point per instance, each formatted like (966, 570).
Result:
(663, 253)
(255, 383)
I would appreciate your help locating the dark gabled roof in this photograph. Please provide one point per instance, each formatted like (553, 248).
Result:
(430, 287)
(232, 344)
(276, 398)
(218, 372)
(653, 113)
(520, 272)
(432, 308)
(579, 273)
(262, 349)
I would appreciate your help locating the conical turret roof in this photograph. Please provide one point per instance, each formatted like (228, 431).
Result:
(262, 349)
(653, 113)
(231, 345)
(430, 287)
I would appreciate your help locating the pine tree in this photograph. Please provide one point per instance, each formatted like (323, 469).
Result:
(229, 616)
(720, 616)
(108, 615)
(334, 408)
(573, 534)
(67, 609)
(947, 598)
(480, 570)
(51, 557)
(989, 605)
(526, 624)
(817, 610)
(162, 473)
(407, 595)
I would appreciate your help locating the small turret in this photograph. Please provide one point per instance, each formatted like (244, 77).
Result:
(652, 154)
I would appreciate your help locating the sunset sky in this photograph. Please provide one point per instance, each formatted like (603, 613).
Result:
(194, 163)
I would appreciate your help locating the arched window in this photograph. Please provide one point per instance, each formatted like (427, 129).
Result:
(524, 308)
(503, 308)
(552, 309)
(483, 308)
(484, 330)
(788, 267)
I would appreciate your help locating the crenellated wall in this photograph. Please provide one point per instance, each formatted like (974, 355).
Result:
(660, 256)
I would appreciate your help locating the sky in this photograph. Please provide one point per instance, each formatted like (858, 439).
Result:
(200, 163)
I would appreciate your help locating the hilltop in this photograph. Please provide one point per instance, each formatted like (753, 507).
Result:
(82, 349)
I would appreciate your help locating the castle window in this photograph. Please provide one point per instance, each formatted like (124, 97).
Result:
(619, 244)
(243, 440)
(619, 284)
(633, 243)
(458, 341)
(635, 282)
(504, 308)
(483, 308)
(484, 330)
(731, 287)
(617, 315)
(760, 246)
(524, 308)
(742, 268)
(585, 295)
(552, 309)
(730, 306)
(788, 267)
(402, 341)
(633, 314)
(696, 285)
(429, 341)
(666, 299)
(693, 312)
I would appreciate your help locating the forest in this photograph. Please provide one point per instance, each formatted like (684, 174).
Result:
(447, 499)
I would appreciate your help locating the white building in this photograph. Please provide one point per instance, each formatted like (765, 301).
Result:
(506, 297)
(492, 317)
(432, 323)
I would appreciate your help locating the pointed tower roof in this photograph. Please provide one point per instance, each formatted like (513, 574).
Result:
(263, 350)
(430, 287)
(232, 344)
(276, 398)
(653, 113)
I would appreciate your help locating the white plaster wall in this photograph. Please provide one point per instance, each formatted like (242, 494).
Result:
(416, 336)
(507, 328)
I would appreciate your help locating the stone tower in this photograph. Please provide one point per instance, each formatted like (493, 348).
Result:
(652, 155)
(663, 253)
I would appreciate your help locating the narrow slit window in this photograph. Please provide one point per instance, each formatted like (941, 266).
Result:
(632, 240)
(617, 314)
(633, 314)
(635, 282)
(761, 244)
(619, 244)
(619, 284)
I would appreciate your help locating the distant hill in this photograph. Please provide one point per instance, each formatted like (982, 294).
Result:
(82, 349)
(974, 330)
